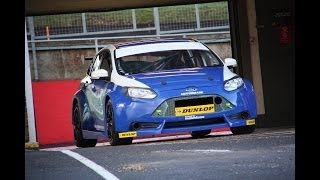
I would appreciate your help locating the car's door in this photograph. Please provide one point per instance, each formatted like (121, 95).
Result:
(99, 89)
(90, 92)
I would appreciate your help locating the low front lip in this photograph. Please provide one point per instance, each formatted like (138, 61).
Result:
(162, 122)
(162, 130)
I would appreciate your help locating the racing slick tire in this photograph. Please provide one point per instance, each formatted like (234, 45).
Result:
(79, 141)
(243, 129)
(199, 134)
(114, 139)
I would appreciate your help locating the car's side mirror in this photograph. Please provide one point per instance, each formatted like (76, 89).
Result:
(100, 74)
(84, 82)
(230, 62)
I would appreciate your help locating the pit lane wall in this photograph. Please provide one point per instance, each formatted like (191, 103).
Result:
(52, 104)
(59, 74)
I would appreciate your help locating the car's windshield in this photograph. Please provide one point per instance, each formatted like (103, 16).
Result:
(166, 60)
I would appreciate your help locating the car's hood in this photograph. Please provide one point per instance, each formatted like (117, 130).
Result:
(178, 79)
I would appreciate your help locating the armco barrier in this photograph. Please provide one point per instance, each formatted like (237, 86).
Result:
(52, 103)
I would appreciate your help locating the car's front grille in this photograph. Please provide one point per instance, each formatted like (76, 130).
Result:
(167, 108)
(197, 122)
(193, 102)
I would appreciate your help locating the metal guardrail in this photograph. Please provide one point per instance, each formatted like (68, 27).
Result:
(95, 41)
(130, 37)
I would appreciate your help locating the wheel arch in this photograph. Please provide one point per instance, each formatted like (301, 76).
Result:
(251, 97)
(106, 100)
(79, 99)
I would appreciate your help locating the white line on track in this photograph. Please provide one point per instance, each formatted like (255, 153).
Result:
(92, 165)
(205, 150)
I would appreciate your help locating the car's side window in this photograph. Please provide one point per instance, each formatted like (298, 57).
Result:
(106, 61)
(94, 64)
(90, 67)
(97, 63)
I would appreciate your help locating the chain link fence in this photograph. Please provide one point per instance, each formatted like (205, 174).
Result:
(57, 24)
(109, 21)
(214, 15)
(177, 18)
(182, 18)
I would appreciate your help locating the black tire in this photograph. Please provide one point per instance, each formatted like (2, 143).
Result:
(199, 134)
(79, 141)
(114, 139)
(243, 129)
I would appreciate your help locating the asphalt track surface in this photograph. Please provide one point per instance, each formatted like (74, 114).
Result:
(264, 154)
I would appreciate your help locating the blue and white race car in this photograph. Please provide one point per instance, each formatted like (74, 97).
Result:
(160, 86)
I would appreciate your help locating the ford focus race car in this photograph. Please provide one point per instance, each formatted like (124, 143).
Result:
(160, 86)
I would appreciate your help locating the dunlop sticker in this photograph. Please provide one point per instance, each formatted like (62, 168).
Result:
(190, 110)
(128, 134)
(251, 122)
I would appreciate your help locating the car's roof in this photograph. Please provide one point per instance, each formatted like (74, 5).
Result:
(153, 41)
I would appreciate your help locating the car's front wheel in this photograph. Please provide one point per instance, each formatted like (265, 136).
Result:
(199, 134)
(79, 141)
(112, 134)
(243, 129)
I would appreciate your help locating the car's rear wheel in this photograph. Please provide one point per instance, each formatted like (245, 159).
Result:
(112, 134)
(79, 141)
(199, 134)
(243, 129)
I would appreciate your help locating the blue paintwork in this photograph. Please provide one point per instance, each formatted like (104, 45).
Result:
(86, 116)
(128, 110)
(92, 100)
(141, 109)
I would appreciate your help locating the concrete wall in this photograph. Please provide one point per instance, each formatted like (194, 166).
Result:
(61, 64)
(222, 49)
(70, 64)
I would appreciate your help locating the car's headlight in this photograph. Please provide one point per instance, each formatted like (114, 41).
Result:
(141, 93)
(233, 84)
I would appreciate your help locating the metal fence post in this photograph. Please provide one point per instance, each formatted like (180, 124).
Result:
(196, 6)
(96, 45)
(84, 23)
(134, 20)
(33, 47)
(156, 20)
(28, 93)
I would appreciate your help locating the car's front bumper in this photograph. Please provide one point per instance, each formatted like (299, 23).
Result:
(139, 114)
